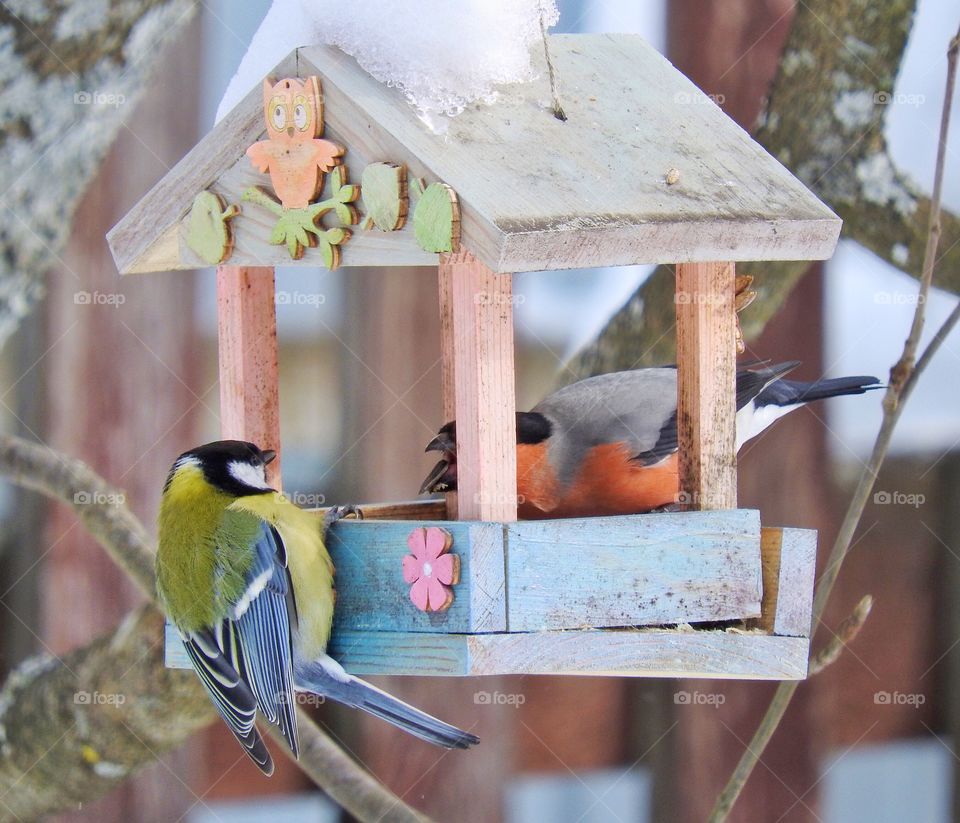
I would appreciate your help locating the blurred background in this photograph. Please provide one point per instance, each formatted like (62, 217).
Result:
(127, 387)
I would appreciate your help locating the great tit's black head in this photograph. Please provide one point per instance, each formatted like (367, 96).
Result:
(232, 466)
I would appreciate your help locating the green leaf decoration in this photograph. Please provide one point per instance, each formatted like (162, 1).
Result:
(208, 231)
(436, 219)
(384, 189)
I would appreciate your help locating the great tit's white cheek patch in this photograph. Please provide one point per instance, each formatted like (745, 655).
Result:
(248, 474)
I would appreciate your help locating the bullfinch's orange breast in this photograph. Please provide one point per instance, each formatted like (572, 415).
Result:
(608, 482)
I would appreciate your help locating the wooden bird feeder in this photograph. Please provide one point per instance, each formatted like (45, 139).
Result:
(644, 170)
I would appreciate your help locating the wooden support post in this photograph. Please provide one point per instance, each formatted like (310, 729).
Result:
(477, 306)
(447, 368)
(706, 387)
(249, 376)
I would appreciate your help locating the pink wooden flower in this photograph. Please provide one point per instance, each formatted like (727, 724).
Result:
(430, 569)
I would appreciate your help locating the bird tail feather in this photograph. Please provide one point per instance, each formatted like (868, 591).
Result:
(328, 678)
(790, 392)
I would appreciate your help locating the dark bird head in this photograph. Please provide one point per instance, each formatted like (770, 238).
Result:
(532, 428)
(443, 476)
(234, 467)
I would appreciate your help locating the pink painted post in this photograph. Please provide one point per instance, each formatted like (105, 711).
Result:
(477, 349)
(249, 373)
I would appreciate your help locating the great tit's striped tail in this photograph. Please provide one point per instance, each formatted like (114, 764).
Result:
(230, 694)
(793, 392)
(326, 677)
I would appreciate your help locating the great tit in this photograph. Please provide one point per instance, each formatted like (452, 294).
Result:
(245, 577)
(607, 445)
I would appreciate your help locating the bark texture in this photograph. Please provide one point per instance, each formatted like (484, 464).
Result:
(70, 73)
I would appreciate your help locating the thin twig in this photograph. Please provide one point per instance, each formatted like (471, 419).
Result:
(903, 375)
(844, 635)
(104, 513)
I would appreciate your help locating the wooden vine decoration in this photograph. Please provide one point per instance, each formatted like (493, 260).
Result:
(430, 569)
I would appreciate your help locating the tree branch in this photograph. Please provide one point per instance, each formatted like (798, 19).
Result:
(904, 376)
(824, 121)
(70, 73)
(73, 728)
(843, 636)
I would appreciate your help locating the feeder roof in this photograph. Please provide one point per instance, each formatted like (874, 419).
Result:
(646, 169)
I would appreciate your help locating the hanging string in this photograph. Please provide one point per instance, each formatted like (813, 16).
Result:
(555, 98)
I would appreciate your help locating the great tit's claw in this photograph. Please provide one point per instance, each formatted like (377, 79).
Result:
(337, 513)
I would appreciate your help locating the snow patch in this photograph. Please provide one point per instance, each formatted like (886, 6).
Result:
(794, 60)
(900, 254)
(879, 184)
(859, 49)
(111, 771)
(854, 109)
(28, 10)
(442, 56)
(80, 19)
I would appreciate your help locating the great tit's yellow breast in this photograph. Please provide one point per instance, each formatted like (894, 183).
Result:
(190, 511)
(309, 564)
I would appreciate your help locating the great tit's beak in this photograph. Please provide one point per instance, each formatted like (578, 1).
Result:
(432, 483)
(269, 455)
(443, 442)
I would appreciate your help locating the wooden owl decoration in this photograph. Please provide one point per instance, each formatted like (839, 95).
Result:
(293, 154)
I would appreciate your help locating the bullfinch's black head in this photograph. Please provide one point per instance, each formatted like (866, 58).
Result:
(231, 466)
(532, 428)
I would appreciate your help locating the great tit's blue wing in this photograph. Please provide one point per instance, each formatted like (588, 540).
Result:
(214, 657)
(261, 621)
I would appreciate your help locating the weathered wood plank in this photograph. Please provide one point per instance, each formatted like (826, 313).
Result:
(403, 510)
(484, 388)
(633, 571)
(620, 652)
(249, 367)
(448, 383)
(798, 558)
(771, 541)
(617, 652)
(374, 596)
(599, 197)
(788, 564)
(706, 380)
